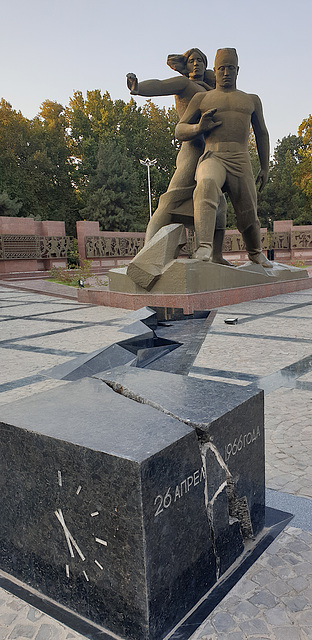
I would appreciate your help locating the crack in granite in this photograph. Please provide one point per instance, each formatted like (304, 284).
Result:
(238, 507)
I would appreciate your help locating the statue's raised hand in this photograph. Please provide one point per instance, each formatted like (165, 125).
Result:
(207, 123)
(132, 83)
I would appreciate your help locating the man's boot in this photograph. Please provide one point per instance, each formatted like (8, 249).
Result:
(252, 240)
(217, 246)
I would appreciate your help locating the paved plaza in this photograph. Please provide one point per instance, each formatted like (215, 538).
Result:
(269, 348)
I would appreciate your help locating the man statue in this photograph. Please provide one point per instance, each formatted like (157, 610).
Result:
(224, 116)
(176, 204)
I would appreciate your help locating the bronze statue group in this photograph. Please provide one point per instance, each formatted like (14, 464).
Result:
(215, 119)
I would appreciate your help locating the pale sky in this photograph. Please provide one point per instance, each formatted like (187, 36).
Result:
(50, 48)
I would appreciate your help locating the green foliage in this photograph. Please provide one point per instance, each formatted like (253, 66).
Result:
(71, 277)
(112, 193)
(34, 165)
(303, 175)
(254, 158)
(63, 276)
(96, 123)
(9, 206)
(282, 198)
(73, 254)
(286, 195)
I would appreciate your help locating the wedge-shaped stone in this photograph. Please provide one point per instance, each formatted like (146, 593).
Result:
(155, 257)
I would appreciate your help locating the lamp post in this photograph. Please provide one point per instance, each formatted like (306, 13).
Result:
(270, 238)
(149, 163)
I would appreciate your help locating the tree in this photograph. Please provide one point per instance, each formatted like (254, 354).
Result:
(303, 175)
(14, 153)
(9, 206)
(52, 161)
(112, 194)
(34, 166)
(139, 133)
(160, 144)
(282, 198)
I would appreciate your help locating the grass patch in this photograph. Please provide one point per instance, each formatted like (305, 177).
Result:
(72, 277)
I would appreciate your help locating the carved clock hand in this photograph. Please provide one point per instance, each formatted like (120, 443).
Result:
(71, 542)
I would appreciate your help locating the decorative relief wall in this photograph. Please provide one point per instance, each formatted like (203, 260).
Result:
(100, 247)
(54, 246)
(234, 243)
(281, 240)
(17, 246)
(301, 239)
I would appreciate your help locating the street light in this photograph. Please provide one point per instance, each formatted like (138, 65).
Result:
(149, 163)
(270, 252)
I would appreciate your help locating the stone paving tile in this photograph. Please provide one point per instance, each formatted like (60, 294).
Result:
(264, 605)
(228, 354)
(17, 366)
(28, 390)
(92, 314)
(288, 420)
(83, 339)
(19, 620)
(18, 327)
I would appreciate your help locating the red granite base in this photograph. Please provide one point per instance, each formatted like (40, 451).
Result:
(191, 301)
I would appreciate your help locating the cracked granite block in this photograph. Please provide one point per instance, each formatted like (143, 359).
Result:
(103, 507)
(229, 421)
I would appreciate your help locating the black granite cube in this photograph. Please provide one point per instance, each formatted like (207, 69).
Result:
(103, 508)
(125, 497)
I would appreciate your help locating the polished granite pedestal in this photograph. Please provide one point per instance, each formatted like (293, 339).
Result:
(125, 498)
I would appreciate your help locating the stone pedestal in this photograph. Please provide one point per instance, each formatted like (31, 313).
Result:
(194, 276)
(125, 499)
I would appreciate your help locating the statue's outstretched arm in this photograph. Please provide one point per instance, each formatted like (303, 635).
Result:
(150, 88)
(194, 123)
(262, 141)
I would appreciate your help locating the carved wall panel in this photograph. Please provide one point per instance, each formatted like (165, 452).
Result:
(114, 247)
(281, 240)
(301, 239)
(54, 246)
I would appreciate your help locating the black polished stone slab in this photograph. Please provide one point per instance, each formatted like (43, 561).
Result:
(182, 334)
(190, 334)
(146, 315)
(88, 364)
(230, 425)
(103, 508)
